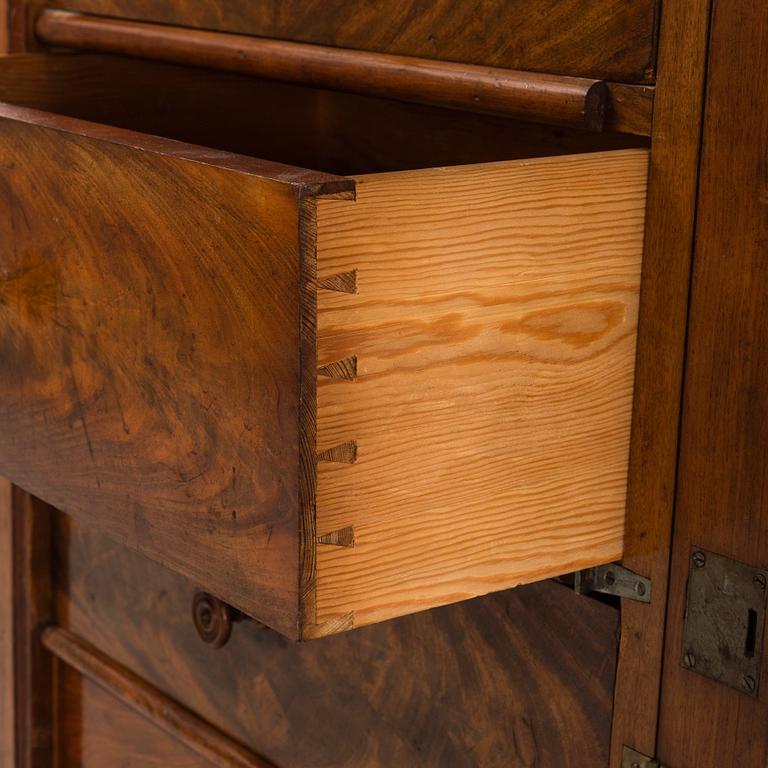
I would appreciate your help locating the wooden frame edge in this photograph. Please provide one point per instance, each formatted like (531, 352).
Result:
(33, 611)
(536, 96)
(7, 672)
(307, 469)
(673, 185)
(134, 692)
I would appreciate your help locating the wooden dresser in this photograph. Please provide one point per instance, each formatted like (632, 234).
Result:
(383, 383)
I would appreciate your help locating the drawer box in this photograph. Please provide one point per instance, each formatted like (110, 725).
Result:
(330, 401)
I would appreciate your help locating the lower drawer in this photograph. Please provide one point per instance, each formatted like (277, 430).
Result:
(381, 696)
(95, 730)
(328, 400)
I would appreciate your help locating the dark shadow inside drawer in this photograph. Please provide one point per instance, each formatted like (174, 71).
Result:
(308, 127)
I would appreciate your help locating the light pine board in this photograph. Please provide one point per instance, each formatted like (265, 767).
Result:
(491, 342)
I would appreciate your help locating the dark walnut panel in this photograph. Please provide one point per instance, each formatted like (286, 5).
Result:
(95, 730)
(141, 698)
(516, 679)
(606, 39)
(149, 323)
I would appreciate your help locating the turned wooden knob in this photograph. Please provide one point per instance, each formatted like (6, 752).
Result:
(213, 619)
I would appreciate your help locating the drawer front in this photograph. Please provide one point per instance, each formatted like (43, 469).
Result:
(149, 324)
(603, 39)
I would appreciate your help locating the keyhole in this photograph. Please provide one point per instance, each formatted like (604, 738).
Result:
(749, 645)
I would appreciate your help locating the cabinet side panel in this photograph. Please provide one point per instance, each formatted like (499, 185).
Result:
(474, 379)
(722, 482)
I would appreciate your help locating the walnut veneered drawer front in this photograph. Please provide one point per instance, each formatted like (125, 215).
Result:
(605, 39)
(329, 401)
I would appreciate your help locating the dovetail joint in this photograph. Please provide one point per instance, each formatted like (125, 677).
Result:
(344, 537)
(340, 369)
(345, 453)
(344, 282)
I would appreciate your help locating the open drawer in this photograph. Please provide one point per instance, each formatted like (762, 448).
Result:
(330, 401)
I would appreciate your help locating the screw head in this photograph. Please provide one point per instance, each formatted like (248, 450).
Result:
(640, 588)
(610, 578)
(699, 559)
(635, 765)
(759, 580)
(689, 660)
(749, 683)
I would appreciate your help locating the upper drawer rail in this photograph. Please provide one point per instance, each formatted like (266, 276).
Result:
(563, 100)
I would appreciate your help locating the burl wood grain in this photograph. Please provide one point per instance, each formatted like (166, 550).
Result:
(606, 39)
(482, 441)
(148, 336)
(512, 680)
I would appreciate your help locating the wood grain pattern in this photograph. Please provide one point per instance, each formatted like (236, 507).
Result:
(94, 730)
(167, 715)
(304, 127)
(604, 39)
(519, 678)
(106, 409)
(494, 330)
(558, 99)
(7, 682)
(5, 25)
(22, 14)
(630, 109)
(671, 206)
(722, 492)
(33, 610)
(144, 346)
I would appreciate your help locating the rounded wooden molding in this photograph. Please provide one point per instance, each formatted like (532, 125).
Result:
(213, 619)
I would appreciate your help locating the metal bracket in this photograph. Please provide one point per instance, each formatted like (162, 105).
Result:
(613, 579)
(725, 621)
(631, 758)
